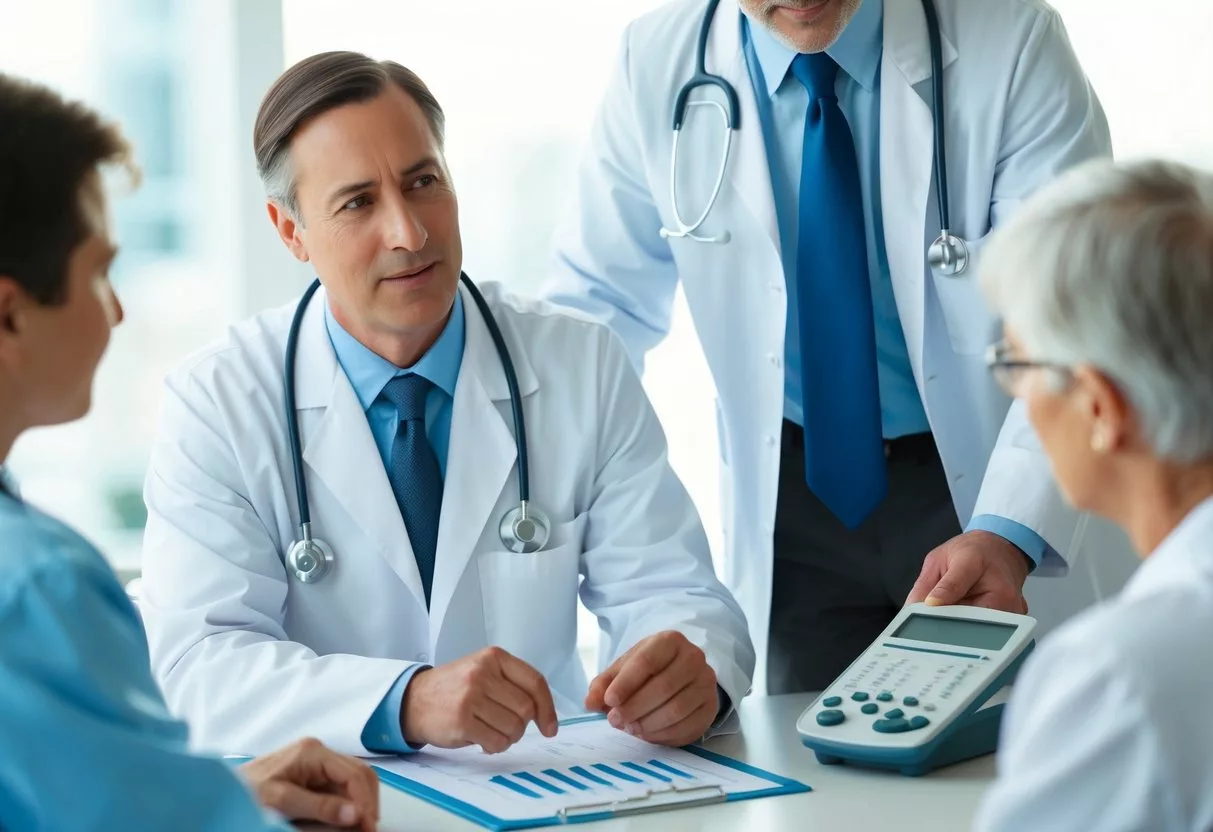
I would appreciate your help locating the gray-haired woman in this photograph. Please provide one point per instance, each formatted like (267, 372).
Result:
(1105, 284)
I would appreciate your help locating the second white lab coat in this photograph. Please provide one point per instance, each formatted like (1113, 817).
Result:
(1106, 729)
(1019, 110)
(253, 659)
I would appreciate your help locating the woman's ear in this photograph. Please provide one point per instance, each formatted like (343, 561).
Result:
(1105, 406)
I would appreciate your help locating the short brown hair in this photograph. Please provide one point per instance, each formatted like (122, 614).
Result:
(314, 86)
(48, 146)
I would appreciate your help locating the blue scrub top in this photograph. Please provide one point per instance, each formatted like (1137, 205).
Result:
(86, 740)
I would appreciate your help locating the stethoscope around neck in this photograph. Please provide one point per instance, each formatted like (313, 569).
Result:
(523, 529)
(947, 256)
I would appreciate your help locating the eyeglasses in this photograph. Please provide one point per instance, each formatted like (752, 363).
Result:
(1009, 371)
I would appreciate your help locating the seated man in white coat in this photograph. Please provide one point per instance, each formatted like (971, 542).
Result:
(426, 628)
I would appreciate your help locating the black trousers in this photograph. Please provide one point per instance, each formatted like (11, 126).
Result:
(835, 589)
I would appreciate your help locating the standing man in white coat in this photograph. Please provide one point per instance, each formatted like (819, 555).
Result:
(430, 626)
(858, 429)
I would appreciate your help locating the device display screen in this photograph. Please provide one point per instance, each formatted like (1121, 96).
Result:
(958, 632)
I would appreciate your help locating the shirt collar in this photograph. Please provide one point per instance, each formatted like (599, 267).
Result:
(1186, 551)
(369, 372)
(857, 51)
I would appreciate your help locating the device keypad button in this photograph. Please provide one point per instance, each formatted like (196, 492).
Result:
(831, 718)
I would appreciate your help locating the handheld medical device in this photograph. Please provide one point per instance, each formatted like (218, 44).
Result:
(925, 694)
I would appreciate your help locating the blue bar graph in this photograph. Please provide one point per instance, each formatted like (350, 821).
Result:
(502, 780)
(670, 769)
(647, 772)
(538, 781)
(582, 771)
(614, 772)
(564, 778)
(590, 778)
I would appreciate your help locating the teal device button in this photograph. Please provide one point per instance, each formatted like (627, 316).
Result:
(891, 726)
(831, 718)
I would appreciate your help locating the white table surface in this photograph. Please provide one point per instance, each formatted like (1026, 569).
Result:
(842, 797)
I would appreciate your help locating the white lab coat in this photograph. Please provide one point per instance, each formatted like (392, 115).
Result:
(253, 659)
(1019, 111)
(1106, 729)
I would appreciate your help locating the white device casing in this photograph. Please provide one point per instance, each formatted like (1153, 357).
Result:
(949, 678)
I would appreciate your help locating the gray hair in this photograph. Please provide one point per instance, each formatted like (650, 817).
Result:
(1112, 266)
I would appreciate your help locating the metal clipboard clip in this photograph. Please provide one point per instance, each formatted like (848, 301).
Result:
(650, 801)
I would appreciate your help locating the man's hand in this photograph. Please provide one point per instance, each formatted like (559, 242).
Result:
(484, 699)
(980, 569)
(306, 781)
(662, 690)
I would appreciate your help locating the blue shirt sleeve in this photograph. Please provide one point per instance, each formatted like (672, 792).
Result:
(88, 740)
(1026, 540)
(383, 734)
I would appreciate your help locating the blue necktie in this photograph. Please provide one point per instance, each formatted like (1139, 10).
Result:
(414, 473)
(843, 443)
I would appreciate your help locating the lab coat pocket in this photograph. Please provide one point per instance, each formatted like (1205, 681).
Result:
(530, 600)
(971, 327)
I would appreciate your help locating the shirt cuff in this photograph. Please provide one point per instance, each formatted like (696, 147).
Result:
(726, 721)
(383, 733)
(1033, 546)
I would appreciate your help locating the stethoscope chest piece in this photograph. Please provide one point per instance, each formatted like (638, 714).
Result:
(948, 255)
(310, 559)
(525, 529)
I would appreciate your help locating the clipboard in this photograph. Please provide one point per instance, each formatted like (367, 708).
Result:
(676, 785)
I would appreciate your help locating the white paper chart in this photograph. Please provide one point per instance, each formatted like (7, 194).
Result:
(586, 763)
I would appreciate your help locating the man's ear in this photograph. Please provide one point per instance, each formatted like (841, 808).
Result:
(289, 230)
(10, 306)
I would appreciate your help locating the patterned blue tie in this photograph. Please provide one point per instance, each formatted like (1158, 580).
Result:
(843, 443)
(414, 473)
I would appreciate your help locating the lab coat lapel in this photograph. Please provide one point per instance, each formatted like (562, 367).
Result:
(481, 455)
(748, 173)
(907, 158)
(341, 452)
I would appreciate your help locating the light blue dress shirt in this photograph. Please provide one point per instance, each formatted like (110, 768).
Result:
(369, 373)
(782, 106)
(87, 740)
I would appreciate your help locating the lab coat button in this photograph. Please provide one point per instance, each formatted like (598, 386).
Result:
(775, 360)
(423, 657)
(771, 441)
